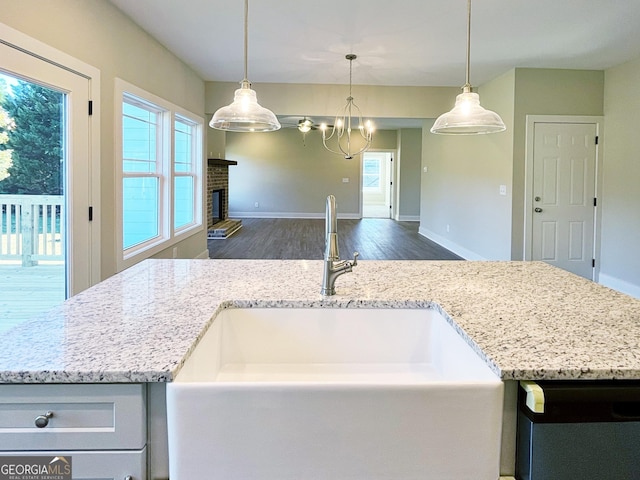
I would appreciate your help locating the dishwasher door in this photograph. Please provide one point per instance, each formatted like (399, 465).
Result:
(587, 430)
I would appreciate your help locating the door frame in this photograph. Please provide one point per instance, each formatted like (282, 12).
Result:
(393, 190)
(30, 46)
(531, 121)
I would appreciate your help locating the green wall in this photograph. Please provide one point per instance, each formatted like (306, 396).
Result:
(409, 164)
(546, 92)
(461, 188)
(461, 207)
(290, 175)
(620, 261)
(276, 152)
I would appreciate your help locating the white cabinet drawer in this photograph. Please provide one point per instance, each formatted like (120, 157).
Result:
(83, 417)
(102, 465)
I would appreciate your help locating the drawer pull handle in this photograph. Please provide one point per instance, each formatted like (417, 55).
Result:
(128, 477)
(43, 420)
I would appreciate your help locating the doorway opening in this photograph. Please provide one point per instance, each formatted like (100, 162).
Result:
(32, 192)
(377, 184)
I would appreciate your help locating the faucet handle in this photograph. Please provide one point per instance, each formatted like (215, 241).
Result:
(355, 259)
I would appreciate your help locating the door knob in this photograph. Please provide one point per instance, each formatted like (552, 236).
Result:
(537, 209)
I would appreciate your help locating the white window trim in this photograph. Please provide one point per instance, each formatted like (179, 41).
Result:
(167, 237)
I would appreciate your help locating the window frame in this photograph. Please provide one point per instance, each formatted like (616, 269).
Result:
(194, 173)
(167, 113)
(159, 171)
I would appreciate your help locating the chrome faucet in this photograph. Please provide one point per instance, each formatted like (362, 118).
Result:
(333, 266)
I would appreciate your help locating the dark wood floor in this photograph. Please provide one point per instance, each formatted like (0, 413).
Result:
(374, 239)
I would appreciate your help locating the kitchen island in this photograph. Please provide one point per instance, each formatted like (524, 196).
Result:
(527, 320)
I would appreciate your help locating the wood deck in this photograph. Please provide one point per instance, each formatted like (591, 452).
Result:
(28, 291)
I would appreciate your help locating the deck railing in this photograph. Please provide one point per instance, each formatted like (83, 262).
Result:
(32, 228)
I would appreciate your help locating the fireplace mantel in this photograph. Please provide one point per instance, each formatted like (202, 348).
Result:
(221, 162)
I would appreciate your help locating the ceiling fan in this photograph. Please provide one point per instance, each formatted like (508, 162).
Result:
(303, 124)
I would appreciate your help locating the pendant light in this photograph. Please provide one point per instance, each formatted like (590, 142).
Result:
(245, 114)
(342, 125)
(467, 116)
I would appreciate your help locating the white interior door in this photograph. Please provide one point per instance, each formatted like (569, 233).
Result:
(76, 155)
(563, 203)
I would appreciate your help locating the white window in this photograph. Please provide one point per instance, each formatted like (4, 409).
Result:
(371, 174)
(142, 172)
(160, 194)
(185, 172)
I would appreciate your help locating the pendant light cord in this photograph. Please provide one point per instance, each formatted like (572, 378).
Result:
(246, 38)
(350, 75)
(467, 85)
(351, 57)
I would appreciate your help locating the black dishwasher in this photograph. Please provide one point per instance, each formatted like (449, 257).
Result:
(587, 430)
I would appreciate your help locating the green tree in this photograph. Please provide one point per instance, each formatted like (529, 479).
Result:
(5, 125)
(35, 140)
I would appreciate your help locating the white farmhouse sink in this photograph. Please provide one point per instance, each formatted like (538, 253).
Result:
(312, 393)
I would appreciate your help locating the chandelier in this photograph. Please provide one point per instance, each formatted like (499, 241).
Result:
(342, 127)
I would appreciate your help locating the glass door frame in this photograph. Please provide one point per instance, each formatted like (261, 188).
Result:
(41, 63)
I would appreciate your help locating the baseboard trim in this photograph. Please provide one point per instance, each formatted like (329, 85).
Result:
(204, 255)
(354, 216)
(449, 245)
(619, 285)
(408, 218)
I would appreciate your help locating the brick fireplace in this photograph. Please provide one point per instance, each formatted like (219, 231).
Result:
(218, 222)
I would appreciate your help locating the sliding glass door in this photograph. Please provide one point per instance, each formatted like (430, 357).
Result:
(44, 185)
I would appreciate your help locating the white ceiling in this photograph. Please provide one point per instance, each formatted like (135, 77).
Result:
(399, 42)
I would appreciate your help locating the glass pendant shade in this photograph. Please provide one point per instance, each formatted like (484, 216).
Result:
(244, 114)
(468, 117)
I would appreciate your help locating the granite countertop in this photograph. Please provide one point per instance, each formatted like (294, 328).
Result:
(528, 320)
